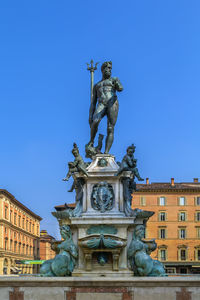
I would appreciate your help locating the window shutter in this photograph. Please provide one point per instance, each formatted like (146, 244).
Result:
(142, 201)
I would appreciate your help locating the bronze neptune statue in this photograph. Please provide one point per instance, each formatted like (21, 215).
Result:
(104, 103)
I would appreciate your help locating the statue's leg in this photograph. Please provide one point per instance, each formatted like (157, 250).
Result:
(72, 187)
(67, 176)
(112, 112)
(136, 173)
(97, 117)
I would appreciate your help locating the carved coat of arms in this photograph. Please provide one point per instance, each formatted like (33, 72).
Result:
(102, 197)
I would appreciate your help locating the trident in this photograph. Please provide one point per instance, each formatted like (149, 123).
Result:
(91, 68)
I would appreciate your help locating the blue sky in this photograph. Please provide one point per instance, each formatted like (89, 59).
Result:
(44, 90)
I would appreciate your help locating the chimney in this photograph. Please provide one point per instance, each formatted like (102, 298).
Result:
(147, 180)
(196, 180)
(172, 181)
(43, 232)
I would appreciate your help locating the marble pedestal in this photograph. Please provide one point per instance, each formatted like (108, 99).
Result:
(96, 222)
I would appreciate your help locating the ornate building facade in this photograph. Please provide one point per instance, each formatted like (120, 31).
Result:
(175, 224)
(19, 235)
(45, 246)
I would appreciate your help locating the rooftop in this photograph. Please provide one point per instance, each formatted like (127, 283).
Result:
(169, 186)
(44, 236)
(11, 197)
(63, 206)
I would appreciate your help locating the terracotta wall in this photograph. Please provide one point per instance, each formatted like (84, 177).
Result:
(172, 224)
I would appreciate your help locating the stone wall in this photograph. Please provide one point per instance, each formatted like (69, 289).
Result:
(99, 288)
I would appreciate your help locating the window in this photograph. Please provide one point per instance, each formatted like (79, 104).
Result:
(6, 212)
(15, 218)
(182, 201)
(162, 201)
(182, 216)
(11, 245)
(27, 225)
(183, 270)
(198, 232)
(197, 200)
(10, 215)
(19, 221)
(142, 201)
(198, 254)
(183, 254)
(198, 216)
(23, 223)
(33, 228)
(182, 233)
(170, 270)
(162, 233)
(162, 216)
(6, 244)
(163, 254)
(30, 226)
(15, 247)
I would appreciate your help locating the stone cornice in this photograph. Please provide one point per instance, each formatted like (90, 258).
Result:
(22, 206)
(10, 254)
(21, 230)
(131, 282)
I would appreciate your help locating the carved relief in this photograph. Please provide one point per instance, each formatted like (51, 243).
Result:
(102, 197)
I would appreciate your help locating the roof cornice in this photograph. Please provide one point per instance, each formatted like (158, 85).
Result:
(11, 197)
